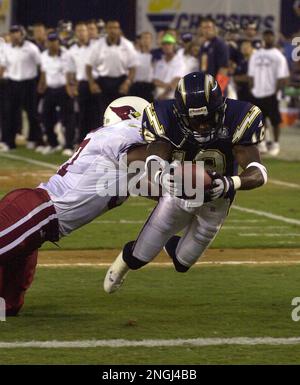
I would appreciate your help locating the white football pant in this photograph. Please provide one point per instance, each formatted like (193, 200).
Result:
(200, 225)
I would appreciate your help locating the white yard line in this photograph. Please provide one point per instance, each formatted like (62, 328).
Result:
(267, 215)
(243, 209)
(231, 220)
(150, 343)
(284, 184)
(55, 167)
(237, 227)
(119, 222)
(262, 235)
(170, 264)
(30, 161)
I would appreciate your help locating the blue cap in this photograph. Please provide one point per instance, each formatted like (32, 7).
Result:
(186, 37)
(52, 36)
(15, 28)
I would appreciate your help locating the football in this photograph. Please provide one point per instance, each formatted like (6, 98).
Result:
(195, 174)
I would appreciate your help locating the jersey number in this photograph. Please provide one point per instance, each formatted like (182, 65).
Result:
(214, 160)
(64, 169)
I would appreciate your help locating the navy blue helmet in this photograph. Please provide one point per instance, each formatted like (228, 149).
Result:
(200, 106)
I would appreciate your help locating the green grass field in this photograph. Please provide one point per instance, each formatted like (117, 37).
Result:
(69, 304)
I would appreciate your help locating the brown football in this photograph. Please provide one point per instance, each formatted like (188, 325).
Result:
(195, 171)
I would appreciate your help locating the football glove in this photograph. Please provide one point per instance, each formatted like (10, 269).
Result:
(171, 183)
(222, 186)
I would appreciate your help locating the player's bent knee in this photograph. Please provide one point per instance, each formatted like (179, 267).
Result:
(205, 236)
(132, 262)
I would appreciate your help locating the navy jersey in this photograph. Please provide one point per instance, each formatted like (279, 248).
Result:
(214, 55)
(243, 125)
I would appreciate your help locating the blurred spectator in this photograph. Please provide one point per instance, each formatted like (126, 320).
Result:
(92, 30)
(189, 53)
(77, 81)
(251, 34)
(241, 72)
(53, 83)
(214, 53)
(39, 36)
(168, 70)
(143, 85)
(157, 52)
(115, 58)
(268, 72)
(65, 31)
(231, 37)
(3, 92)
(20, 59)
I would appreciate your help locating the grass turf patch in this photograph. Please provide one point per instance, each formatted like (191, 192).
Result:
(157, 303)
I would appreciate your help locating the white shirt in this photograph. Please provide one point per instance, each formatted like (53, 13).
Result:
(144, 69)
(54, 68)
(2, 48)
(266, 66)
(21, 62)
(166, 71)
(190, 62)
(78, 194)
(77, 60)
(113, 60)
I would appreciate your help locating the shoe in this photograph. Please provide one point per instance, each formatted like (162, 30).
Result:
(48, 150)
(115, 275)
(67, 152)
(274, 149)
(59, 147)
(30, 145)
(4, 147)
(262, 147)
(40, 149)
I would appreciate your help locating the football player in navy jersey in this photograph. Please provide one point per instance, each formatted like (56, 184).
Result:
(199, 124)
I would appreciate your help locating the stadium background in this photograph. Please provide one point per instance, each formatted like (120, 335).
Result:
(243, 287)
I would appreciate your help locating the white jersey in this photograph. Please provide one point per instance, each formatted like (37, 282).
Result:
(266, 66)
(79, 189)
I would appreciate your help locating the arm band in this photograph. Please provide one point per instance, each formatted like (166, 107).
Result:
(236, 182)
(262, 169)
(162, 164)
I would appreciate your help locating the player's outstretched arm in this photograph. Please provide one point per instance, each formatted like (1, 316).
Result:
(254, 174)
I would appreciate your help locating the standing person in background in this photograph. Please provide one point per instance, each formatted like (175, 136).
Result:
(241, 77)
(92, 31)
(3, 99)
(251, 34)
(189, 53)
(268, 72)
(53, 84)
(21, 60)
(214, 53)
(77, 81)
(39, 36)
(168, 70)
(157, 52)
(143, 85)
(115, 59)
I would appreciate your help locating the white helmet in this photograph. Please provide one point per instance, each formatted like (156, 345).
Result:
(127, 107)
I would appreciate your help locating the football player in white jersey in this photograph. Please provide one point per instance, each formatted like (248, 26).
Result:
(81, 190)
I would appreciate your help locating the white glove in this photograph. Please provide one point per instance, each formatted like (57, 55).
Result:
(221, 186)
(173, 184)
